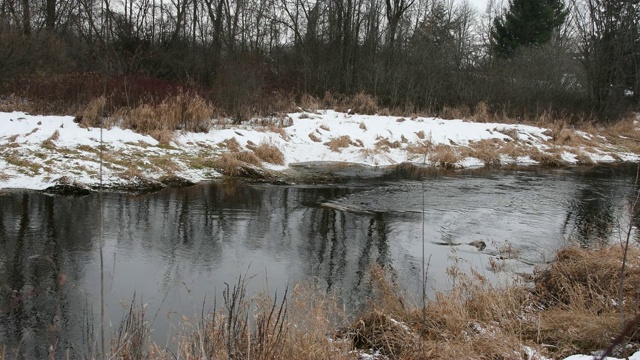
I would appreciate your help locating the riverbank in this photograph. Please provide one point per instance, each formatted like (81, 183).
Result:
(572, 307)
(59, 152)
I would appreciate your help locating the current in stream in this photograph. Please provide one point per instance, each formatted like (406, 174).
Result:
(177, 248)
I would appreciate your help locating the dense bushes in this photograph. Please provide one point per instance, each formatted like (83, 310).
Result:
(261, 57)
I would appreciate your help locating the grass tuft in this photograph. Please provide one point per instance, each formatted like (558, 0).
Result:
(309, 103)
(231, 144)
(268, 153)
(569, 310)
(314, 137)
(487, 151)
(546, 159)
(339, 143)
(444, 156)
(49, 143)
(363, 103)
(93, 113)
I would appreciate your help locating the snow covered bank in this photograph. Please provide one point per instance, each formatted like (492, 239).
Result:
(42, 151)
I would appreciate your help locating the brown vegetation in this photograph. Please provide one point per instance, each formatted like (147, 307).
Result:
(385, 144)
(336, 144)
(268, 153)
(549, 159)
(49, 143)
(570, 309)
(187, 112)
(362, 103)
(444, 156)
(314, 137)
(234, 163)
(487, 151)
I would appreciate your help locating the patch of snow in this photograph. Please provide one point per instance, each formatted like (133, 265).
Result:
(374, 140)
(635, 356)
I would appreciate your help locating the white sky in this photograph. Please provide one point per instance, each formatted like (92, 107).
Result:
(480, 5)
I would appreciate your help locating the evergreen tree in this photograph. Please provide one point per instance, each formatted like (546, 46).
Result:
(526, 23)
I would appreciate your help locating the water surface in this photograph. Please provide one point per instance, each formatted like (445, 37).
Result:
(177, 248)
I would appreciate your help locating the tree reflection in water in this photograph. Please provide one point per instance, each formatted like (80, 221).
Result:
(184, 244)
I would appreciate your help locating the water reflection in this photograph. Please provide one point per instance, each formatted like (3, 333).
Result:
(176, 248)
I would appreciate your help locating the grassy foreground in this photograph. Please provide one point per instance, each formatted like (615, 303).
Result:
(571, 307)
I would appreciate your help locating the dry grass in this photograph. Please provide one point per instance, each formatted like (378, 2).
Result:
(460, 112)
(236, 163)
(487, 151)
(420, 148)
(164, 137)
(329, 100)
(363, 126)
(25, 166)
(314, 137)
(385, 144)
(231, 144)
(309, 103)
(268, 153)
(571, 309)
(13, 138)
(33, 131)
(49, 143)
(624, 134)
(93, 115)
(165, 163)
(13, 103)
(384, 112)
(582, 158)
(563, 135)
(131, 173)
(580, 291)
(204, 161)
(339, 143)
(363, 103)
(181, 112)
(325, 127)
(278, 130)
(444, 156)
(545, 158)
(481, 113)
(514, 150)
(512, 133)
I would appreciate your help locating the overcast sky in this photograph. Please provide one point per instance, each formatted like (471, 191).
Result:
(480, 5)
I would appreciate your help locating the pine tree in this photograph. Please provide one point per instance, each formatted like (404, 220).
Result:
(526, 23)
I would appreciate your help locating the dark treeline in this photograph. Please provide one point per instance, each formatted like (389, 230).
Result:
(411, 55)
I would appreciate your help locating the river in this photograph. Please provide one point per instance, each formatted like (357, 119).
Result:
(175, 249)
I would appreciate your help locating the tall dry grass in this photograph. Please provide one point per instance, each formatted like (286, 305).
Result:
(237, 164)
(268, 153)
(184, 111)
(571, 308)
(339, 143)
(444, 156)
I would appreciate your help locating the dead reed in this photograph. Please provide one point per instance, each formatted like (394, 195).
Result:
(268, 153)
(314, 137)
(236, 163)
(444, 156)
(572, 308)
(339, 143)
(49, 143)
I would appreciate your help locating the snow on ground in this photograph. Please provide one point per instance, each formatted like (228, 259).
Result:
(40, 151)
(635, 356)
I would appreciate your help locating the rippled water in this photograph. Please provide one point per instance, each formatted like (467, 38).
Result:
(176, 249)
